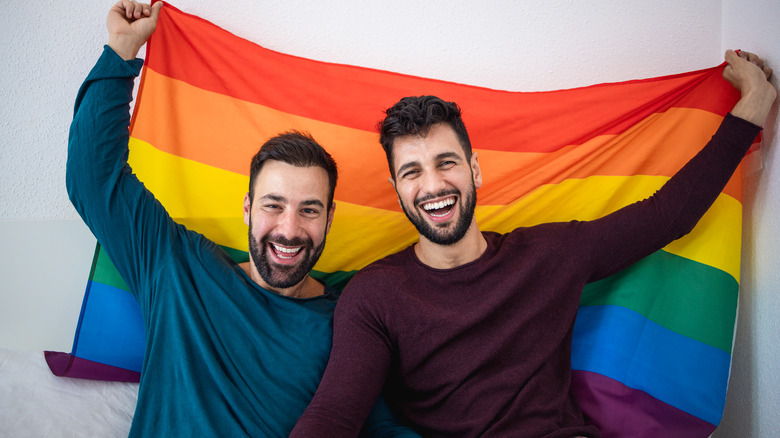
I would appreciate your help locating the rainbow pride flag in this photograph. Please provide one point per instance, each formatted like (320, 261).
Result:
(652, 347)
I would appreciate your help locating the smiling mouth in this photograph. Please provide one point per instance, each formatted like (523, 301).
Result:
(284, 252)
(439, 209)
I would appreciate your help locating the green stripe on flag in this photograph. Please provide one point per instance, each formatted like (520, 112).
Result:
(103, 270)
(690, 298)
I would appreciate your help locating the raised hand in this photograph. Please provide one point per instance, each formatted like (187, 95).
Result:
(748, 74)
(129, 25)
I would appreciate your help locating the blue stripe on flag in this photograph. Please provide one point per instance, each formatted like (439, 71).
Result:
(111, 330)
(623, 345)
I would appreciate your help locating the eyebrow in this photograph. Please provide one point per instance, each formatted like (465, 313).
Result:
(315, 202)
(439, 157)
(272, 197)
(406, 166)
(448, 155)
(283, 200)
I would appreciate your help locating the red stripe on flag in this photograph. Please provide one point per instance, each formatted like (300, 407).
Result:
(216, 60)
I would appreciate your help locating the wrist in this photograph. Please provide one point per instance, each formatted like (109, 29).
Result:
(125, 47)
(754, 105)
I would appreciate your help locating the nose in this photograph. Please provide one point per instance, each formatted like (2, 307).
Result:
(433, 182)
(289, 224)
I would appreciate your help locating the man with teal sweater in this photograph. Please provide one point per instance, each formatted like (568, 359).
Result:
(231, 349)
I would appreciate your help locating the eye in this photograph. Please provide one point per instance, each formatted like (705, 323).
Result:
(447, 164)
(410, 174)
(272, 207)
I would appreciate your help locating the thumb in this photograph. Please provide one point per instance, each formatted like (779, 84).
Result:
(156, 10)
(731, 55)
(731, 58)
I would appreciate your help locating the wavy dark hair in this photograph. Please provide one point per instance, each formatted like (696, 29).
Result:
(415, 115)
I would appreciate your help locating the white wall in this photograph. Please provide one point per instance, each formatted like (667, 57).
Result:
(507, 44)
(753, 404)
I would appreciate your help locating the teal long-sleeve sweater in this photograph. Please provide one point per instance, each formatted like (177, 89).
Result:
(224, 357)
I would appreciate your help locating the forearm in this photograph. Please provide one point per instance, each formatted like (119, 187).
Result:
(354, 377)
(98, 138)
(639, 229)
(693, 189)
(754, 107)
(382, 423)
(343, 399)
(132, 226)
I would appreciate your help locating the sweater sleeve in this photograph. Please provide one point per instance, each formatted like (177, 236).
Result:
(356, 371)
(382, 423)
(122, 214)
(637, 230)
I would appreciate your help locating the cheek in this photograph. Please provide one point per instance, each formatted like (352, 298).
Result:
(260, 225)
(317, 230)
(406, 192)
(317, 233)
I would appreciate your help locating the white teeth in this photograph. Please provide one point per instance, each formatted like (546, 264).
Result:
(438, 205)
(287, 250)
(282, 251)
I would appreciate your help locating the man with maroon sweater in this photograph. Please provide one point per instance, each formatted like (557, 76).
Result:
(471, 330)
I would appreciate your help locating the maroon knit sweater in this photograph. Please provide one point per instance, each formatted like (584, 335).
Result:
(484, 349)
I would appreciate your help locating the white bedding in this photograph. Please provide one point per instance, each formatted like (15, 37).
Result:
(35, 403)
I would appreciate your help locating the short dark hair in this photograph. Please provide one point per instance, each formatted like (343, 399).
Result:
(415, 116)
(297, 149)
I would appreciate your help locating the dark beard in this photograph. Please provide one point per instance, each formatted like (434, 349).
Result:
(432, 232)
(280, 276)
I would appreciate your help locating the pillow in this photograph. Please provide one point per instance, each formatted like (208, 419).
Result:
(35, 403)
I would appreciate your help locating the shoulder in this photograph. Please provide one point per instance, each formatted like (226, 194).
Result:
(380, 279)
(541, 236)
(388, 265)
(195, 252)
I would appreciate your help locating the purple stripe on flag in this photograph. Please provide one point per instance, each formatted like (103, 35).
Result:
(67, 365)
(621, 411)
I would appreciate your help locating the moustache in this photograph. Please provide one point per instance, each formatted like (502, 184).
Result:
(281, 240)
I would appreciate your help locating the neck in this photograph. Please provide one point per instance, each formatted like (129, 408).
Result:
(306, 288)
(467, 249)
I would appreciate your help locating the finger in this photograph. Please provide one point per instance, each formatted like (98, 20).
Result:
(129, 8)
(155, 10)
(733, 61)
(756, 60)
(132, 10)
(138, 10)
(125, 7)
(732, 56)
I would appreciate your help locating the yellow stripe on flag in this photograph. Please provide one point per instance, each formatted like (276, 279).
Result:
(215, 198)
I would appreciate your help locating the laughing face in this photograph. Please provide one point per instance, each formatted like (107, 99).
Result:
(436, 184)
(288, 221)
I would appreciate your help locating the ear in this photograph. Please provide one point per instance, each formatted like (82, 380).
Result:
(247, 208)
(331, 215)
(392, 183)
(476, 172)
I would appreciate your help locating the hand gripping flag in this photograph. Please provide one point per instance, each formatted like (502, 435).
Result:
(652, 344)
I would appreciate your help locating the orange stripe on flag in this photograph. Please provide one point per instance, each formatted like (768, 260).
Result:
(231, 132)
